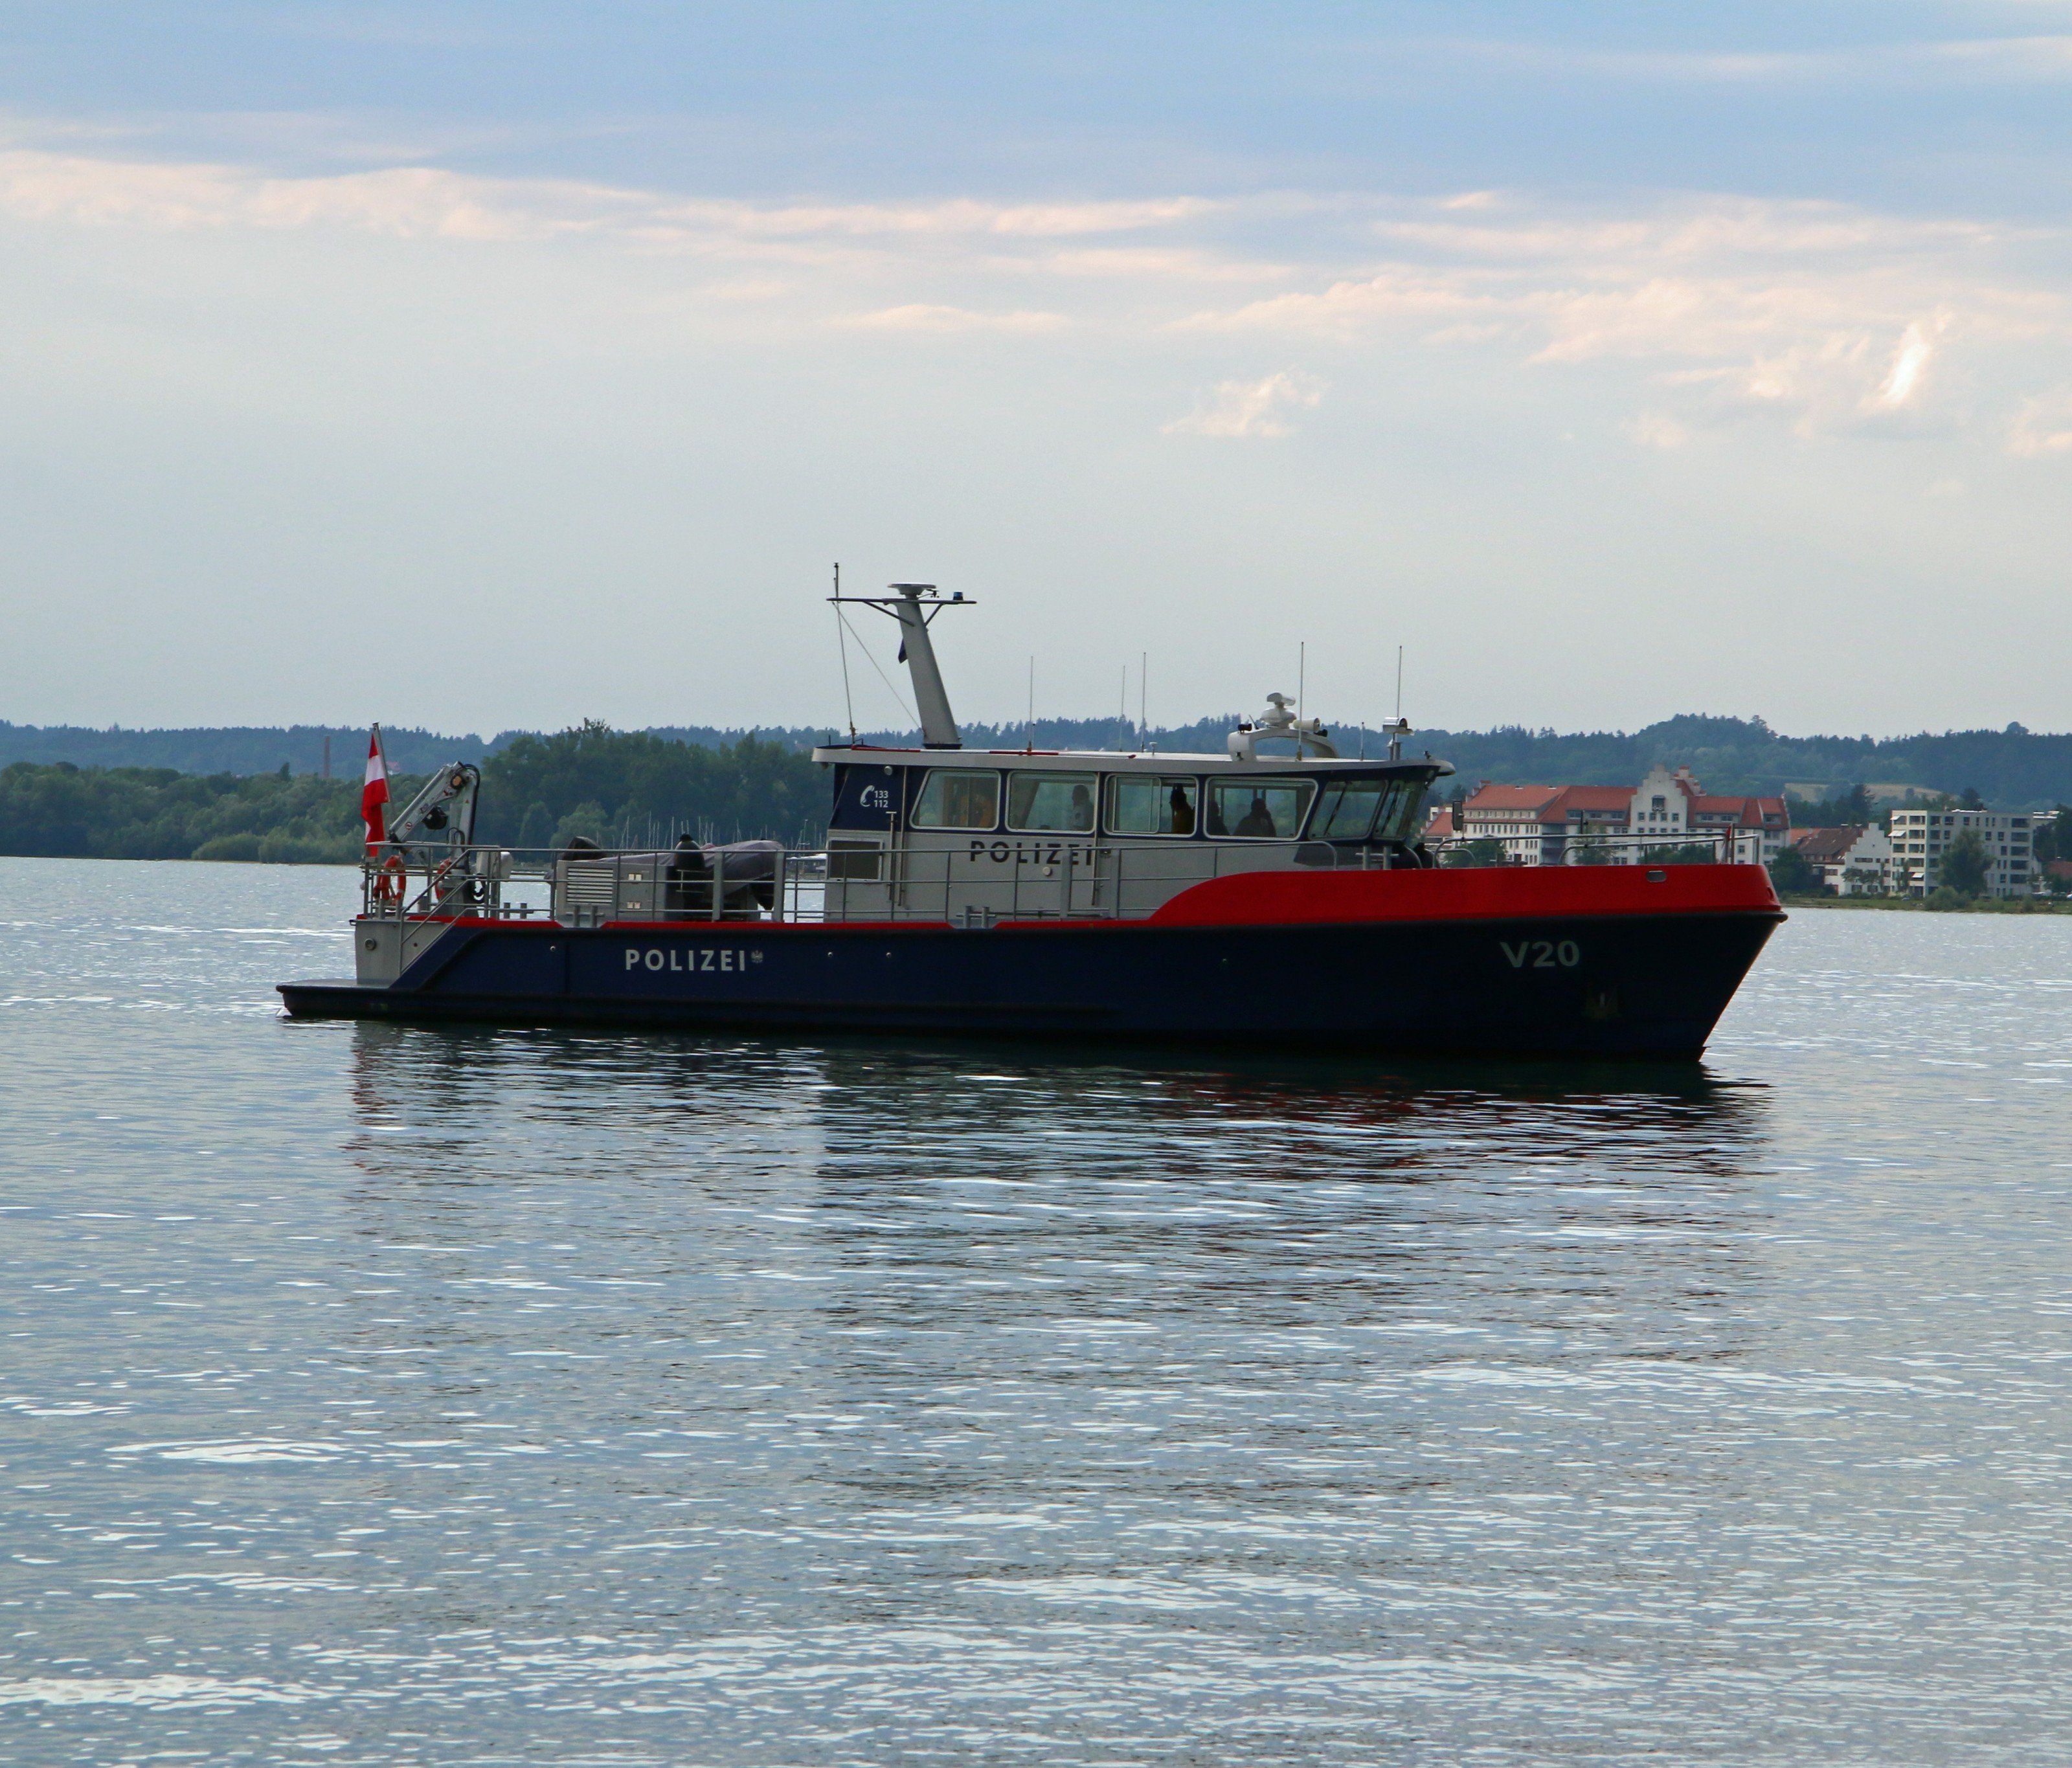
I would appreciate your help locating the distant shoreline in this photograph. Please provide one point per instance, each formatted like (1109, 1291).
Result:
(1904, 905)
(1917, 905)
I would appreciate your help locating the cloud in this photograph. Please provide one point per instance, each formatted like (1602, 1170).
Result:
(1697, 309)
(2032, 59)
(920, 317)
(1657, 429)
(1910, 364)
(1250, 408)
(418, 200)
(2042, 426)
(1829, 316)
(408, 202)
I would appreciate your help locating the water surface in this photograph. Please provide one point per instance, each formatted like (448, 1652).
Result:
(398, 1396)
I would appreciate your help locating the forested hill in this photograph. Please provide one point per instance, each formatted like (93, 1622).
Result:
(614, 788)
(235, 748)
(2014, 768)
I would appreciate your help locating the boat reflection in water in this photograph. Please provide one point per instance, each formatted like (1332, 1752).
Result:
(882, 1376)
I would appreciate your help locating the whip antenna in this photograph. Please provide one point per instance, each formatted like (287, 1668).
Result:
(849, 705)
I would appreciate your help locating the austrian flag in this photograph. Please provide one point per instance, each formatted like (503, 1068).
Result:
(374, 794)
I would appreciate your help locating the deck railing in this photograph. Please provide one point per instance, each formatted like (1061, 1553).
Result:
(1019, 878)
(1585, 847)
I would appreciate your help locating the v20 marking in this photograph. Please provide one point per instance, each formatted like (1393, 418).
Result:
(1542, 953)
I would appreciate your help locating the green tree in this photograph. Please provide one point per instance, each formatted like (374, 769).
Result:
(2052, 835)
(1793, 874)
(1476, 852)
(537, 828)
(588, 821)
(1845, 809)
(1963, 867)
(634, 779)
(157, 813)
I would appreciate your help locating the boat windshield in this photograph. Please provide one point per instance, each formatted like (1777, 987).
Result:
(1063, 804)
(1258, 810)
(1400, 817)
(1347, 811)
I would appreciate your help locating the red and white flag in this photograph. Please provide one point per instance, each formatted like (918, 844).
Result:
(374, 794)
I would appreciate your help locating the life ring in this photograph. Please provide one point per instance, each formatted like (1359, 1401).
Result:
(388, 881)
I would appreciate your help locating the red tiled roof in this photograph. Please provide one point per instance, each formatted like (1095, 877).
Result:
(1548, 804)
(1442, 825)
(1618, 798)
(1827, 846)
(1750, 813)
(1511, 798)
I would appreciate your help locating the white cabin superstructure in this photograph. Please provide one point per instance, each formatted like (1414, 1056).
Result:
(990, 834)
(971, 836)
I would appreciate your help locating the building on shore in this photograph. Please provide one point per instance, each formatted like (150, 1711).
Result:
(1854, 860)
(1558, 825)
(1920, 838)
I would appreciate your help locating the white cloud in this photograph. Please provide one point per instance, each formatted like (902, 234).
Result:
(2042, 426)
(1910, 364)
(2012, 59)
(920, 317)
(1657, 429)
(1831, 317)
(1250, 408)
(415, 200)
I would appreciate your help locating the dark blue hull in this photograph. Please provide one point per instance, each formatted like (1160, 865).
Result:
(1630, 985)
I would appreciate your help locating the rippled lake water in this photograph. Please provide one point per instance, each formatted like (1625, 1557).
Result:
(387, 1396)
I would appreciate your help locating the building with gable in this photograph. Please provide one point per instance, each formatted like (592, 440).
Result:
(1559, 825)
(1853, 859)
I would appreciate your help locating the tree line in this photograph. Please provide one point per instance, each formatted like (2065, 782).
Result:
(610, 787)
(2013, 768)
(614, 788)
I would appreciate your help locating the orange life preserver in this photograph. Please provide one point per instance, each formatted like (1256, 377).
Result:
(388, 881)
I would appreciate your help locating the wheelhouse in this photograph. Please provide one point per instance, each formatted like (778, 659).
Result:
(1371, 812)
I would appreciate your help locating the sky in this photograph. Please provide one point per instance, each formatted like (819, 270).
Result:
(490, 366)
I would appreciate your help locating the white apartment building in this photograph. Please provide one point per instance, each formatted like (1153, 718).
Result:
(1854, 860)
(1920, 838)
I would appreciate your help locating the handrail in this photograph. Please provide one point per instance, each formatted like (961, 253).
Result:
(1726, 846)
(1050, 879)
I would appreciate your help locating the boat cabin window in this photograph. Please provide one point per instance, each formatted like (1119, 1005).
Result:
(958, 798)
(1347, 811)
(1062, 803)
(1259, 810)
(1059, 803)
(1149, 804)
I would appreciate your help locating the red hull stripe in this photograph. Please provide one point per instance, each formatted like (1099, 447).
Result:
(1491, 893)
(1496, 892)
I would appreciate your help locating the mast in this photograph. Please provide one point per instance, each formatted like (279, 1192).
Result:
(913, 606)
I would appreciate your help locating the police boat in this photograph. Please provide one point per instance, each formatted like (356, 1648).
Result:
(1277, 894)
